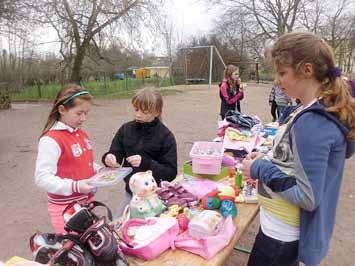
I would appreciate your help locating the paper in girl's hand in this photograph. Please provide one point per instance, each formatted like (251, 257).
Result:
(110, 176)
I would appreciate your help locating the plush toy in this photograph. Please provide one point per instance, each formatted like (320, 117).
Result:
(211, 201)
(226, 192)
(228, 208)
(222, 199)
(145, 201)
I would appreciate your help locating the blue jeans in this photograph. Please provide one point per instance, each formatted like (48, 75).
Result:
(271, 252)
(280, 109)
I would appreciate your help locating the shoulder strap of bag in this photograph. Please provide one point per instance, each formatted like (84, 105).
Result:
(94, 204)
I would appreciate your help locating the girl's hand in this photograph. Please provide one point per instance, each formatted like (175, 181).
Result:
(85, 187)
(245, 168)
(254, 155)
(110, 160)
(239, 81)
(135, 160)
(251, 182)
(248, 161)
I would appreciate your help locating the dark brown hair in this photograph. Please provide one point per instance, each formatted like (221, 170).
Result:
(64, 94)
(298, 48)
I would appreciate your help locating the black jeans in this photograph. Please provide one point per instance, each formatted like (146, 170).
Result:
(273, 111)
(271, 252)
(238, 106)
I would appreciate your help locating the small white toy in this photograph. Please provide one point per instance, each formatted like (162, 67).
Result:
(145, 201)
(206, 223)
(247, 195)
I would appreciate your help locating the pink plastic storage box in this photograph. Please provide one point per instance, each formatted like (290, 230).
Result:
(207, 157)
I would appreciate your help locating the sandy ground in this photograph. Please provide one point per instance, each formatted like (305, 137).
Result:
(191, 114)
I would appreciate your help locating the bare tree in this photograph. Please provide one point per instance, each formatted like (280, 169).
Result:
(238, 29)
(8, 10)
(166, 29)
(312, 15)
(273, 17)
(334, 21)
(268, 19)
(78, 23)
(248, 25)
(338, 23)
(11, 59)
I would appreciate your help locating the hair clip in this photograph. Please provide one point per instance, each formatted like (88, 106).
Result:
(334, 72)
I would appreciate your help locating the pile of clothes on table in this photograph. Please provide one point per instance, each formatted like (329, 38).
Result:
(242, 134)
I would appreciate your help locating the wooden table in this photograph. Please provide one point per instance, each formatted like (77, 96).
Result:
(246, 214)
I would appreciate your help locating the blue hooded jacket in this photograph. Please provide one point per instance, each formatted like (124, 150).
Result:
(319, 146)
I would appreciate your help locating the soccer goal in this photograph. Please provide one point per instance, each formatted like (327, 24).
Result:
(200, 64)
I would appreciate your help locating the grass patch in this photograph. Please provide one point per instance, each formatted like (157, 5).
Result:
(114, 89)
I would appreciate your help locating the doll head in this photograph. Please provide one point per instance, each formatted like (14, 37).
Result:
(143, 184)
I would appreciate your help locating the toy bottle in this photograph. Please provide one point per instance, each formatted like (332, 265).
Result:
(239, 178)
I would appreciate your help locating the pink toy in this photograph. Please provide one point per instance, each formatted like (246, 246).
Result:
(183, 221)
(228, 160)
(208, 246)
(148, 238)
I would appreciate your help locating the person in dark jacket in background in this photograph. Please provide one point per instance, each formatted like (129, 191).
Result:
(230, 90)
(144, 143)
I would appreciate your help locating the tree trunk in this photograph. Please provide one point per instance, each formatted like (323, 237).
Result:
(76, 70)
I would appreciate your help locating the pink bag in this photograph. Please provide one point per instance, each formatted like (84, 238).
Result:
(208, 246)
(151, 236)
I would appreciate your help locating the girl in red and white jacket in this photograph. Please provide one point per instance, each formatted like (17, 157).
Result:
(65, 163)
